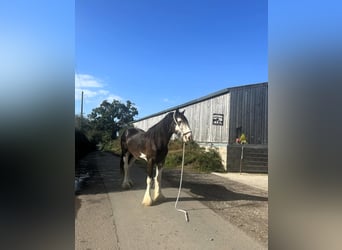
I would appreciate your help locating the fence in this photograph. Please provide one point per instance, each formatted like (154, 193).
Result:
(247, 158)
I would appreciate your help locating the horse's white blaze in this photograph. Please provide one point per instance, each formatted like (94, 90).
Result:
(178, 129)
(157, 184)
(184, 131)
(143, 156)
(147, 201)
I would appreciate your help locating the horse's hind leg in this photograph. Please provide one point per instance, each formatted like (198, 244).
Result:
(127, 160)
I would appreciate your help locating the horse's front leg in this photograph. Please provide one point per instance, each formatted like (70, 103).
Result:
(147, 201)
(158, 195)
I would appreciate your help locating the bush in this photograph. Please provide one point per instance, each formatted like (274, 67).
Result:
(175, 145)
(195, 157)
(173, 159)
(113, 146)
(208, 161)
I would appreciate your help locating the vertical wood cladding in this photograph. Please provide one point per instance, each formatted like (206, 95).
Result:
(224, 115)
(249, 113)
(200, 117)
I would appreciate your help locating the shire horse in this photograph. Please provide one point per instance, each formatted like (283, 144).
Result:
(152, 146)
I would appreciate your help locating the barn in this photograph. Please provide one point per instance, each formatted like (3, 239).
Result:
(219, 118)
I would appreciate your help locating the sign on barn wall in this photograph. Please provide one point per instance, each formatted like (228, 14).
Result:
(218, 119)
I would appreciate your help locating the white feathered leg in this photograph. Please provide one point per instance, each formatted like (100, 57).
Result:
(147, 201)
(158, 195)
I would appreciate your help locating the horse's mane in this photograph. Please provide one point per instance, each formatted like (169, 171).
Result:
(161, 129)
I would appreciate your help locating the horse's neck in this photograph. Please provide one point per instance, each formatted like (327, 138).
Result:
(163, 133)
(168, 137)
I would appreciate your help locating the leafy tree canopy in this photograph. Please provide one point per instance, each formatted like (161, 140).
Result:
(111, 117)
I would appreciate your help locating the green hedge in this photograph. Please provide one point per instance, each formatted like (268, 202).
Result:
(195, 157)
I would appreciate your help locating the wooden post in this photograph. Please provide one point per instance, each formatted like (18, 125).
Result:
(241, 159)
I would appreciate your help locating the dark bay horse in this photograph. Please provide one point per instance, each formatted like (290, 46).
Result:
(152, 146)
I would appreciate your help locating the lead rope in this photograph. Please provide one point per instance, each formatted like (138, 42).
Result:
(180, 187)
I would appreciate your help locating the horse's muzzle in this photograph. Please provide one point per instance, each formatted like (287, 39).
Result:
(187, 136)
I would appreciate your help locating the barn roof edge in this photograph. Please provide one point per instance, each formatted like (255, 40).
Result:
(200, 99)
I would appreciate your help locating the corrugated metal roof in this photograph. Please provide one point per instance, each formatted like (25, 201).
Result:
(201, 99)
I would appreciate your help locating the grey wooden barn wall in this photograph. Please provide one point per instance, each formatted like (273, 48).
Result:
(249, 113)
(145, 124)
(243, 109)
(200, 117)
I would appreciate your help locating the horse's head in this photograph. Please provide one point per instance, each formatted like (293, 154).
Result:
(182, 127)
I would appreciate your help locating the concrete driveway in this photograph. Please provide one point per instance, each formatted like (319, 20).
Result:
(108, 217)
(259, 181)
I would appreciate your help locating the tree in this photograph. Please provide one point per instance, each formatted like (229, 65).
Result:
(82, 123)
(111, 117)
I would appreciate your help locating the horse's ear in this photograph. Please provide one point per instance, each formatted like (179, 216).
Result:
(177, 111)
(183, 112)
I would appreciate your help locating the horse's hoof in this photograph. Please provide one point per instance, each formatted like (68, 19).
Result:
(159, 198)
(147, 202)
(127, 185)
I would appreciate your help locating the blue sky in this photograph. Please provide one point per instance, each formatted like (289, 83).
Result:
(159, 54)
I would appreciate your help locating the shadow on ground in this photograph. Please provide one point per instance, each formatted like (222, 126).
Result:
(103, 167)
